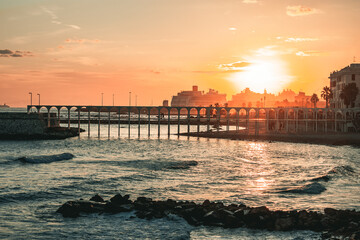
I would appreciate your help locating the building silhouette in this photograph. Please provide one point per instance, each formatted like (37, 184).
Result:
(338, 79)
(198, 98)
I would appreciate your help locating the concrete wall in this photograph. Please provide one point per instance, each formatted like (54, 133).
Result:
(22, 123)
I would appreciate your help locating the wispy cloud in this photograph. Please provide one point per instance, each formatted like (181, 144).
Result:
(56, 20)
(267, 51)
(9, 53)
(299, 10)
(308, 53)
(250, 1)
(236, 66)
(291, 39)
(82, 40)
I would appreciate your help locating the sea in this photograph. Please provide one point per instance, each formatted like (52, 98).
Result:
(255, 173)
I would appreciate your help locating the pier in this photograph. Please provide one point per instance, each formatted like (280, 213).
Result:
(249, 121)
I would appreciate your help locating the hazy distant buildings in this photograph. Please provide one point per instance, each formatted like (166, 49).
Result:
(198, 98)
(246, 98)
(338, 79)
(286, 98)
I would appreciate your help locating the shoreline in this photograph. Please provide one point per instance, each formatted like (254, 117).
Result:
(334, 139)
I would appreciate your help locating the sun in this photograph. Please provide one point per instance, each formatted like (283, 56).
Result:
(261, 74)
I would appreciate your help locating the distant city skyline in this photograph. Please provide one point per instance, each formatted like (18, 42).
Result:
(71, 52)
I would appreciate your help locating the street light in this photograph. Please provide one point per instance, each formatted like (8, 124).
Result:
(129, 98)
(102, 99)
(30, 98)
(113, 99)
(135, 100)
(39, 98)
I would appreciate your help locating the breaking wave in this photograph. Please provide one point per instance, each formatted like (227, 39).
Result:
(47, 158)
(311, 188)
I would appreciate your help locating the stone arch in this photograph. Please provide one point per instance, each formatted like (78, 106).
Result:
(262, 113)
(301, 114)
(204, 113)
(32, 109)
(291, 114)
(183, 111)
(232, 113)
(281, 113)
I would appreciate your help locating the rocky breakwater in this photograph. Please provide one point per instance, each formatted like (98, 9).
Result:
(332, 223)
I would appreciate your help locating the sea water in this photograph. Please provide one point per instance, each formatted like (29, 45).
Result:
(253, 173)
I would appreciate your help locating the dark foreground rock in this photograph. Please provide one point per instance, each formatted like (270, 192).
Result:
(332, 223)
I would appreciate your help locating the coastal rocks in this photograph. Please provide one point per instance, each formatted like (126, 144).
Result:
(332, 223)
(97, 198)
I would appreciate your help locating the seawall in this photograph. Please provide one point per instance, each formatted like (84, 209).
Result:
(23, 126)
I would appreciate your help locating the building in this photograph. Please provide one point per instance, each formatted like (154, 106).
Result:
(338, 79)
(198, 98)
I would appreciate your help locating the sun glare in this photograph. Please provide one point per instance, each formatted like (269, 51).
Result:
(269, 74)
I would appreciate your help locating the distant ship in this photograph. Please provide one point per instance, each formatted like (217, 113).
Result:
(4, 106)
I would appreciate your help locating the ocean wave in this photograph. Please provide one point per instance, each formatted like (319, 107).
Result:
(182, 164)
(311, 188)
(336, 171)
(47, 158)
(30, 196)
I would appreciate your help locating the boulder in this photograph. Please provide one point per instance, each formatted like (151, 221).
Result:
(97, 198)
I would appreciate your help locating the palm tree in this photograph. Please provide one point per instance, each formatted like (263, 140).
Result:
(349, 94)
(326, 94)
(314, 99)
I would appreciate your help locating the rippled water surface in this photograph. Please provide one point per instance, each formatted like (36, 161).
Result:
(253, 173)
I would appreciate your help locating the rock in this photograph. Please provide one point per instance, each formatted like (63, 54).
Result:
(97, 198)
(206, 203)
(118, 199)
(69, 210)
(284, 224)
(111, 207)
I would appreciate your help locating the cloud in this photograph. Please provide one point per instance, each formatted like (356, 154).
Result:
(55, 19)
(74, 26)
(250, 1)
(308, 53)
(299, 10)
(236, 66)
(301, 39)
(267, 51)
(9, 53)
(82, 40)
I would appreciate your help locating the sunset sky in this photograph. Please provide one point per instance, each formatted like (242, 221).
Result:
(72, 51)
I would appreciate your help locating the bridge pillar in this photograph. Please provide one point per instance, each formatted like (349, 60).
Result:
(168, 121)
(178, 126)
(88, 122)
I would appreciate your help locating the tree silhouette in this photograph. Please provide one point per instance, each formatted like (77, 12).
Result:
(314, 99)
(326, 94)
(349, 93)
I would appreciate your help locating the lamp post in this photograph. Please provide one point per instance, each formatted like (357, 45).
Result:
(39, 98)
(102, 99)
(135, 100)
(129, 98)
(113, 99)
(30, 98)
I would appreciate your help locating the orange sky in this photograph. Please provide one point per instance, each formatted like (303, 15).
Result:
(72, 51)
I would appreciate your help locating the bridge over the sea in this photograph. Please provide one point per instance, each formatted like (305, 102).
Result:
(247, 120)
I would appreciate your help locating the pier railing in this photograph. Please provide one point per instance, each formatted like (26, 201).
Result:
(246, 120)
